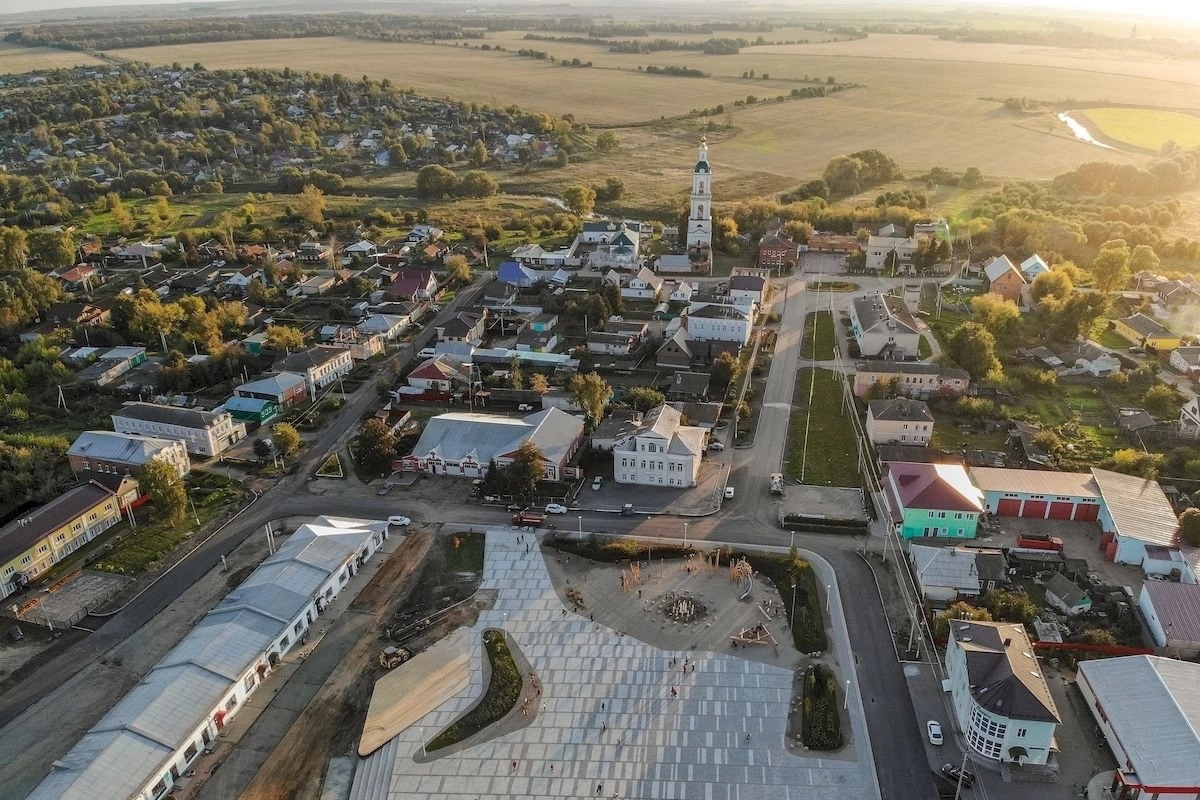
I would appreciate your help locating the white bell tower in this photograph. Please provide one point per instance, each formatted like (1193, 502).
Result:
(699, 230)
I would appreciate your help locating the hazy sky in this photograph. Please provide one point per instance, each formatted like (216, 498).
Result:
(1188, 9)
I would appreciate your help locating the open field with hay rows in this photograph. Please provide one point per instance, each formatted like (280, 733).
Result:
(15, 59)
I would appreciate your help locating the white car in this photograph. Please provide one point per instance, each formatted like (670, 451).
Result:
(596, 483)
(556, 508)
(428, 352)
(934, 729)
(402, 522)
(716, 446)
(728, 492)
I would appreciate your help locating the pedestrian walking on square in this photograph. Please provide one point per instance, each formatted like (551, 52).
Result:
(599, 788)
(514, 766)
(601, 705)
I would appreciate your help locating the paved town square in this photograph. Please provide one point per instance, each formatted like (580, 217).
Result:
(619, 717)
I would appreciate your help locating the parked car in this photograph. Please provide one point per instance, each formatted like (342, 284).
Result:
(514, 507)
(716, 446)
(596, 482)
(934, 729)
(957, 775)
(387, 487)
(728, 492)
(428, 352)
(402, 522)
(524, 407)
(556, 508)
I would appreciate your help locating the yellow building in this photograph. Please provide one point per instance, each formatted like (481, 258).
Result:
(33, 543)
(1145, 332)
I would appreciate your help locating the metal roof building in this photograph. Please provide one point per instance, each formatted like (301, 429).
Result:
(1149, 710)
(141, 747)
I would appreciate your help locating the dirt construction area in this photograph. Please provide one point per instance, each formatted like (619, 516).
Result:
(414, 600)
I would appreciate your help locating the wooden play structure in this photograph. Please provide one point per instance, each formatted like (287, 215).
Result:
(756, 635)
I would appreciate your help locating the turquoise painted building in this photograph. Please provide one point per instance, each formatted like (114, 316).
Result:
(932, 500)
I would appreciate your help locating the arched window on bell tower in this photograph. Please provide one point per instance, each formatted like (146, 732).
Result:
(701, 187)
(700, 211)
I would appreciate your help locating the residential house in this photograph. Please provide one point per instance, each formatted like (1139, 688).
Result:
(610, 344)
(320, 365)
(911, 379)
(777, 251)
(932, 500)
(749, 286)
(899, 421)
(362, 249)
(78, 278)
(1189, 419)
(679, 292)
(414, 284)
(316, 285)
(689, 386)
(1004, 279)
(1065, 595)
(678, 263)
(820, 242)
(67, 315)
(543, 323)
(285, 389)
(465, 444)
(390, 326)
(883, 326)
(241, 280)
(662, 452)
(635, 328)
(499, 295)
(312, 252)
(741, 302)
(121, 453)
(518, 275)
(1178, 295)
(615, 428)
(37, 540)
(999, 693)
(442, 373)
(204, 433)
(531, 341)
(1145, 332)
(947, 574)
(1032, 267)
(645, 285)
(462, 327)
(680, 350)
(1172, 614)
(112, 364)
(362, 346)
(528, 254)
(1187, 361)
(1088, 358)
(720, 323)
(890, 244)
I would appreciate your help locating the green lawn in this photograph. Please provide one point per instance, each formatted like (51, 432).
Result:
(818, 344)
(1107, 337)
(1146, 128)
(832, 458)
(135, 550)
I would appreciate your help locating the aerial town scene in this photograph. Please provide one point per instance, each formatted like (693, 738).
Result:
(415, 400)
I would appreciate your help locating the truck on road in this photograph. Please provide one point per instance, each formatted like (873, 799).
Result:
(528, 518)
(776, 483)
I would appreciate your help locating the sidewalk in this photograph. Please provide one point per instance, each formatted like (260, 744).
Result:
(265, 718)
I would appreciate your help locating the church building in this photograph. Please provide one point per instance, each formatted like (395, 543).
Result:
(699, 229)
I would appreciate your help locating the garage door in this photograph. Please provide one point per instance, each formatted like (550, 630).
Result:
(1061, 510)
(1008, 507)
(1035, 509)
(1087, 512)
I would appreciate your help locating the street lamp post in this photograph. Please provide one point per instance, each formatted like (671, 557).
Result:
(580, 518)
(792, 618)
(846, 699)
(424, 752)
(685, 541)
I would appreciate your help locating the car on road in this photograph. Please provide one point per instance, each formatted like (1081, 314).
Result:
(728, 492)
(428, 352)
(402, 522)
(716, 446)
(514, 507)
(556, 508)
(958, 775)
(596, 483)
(387, 487)
(933, 729)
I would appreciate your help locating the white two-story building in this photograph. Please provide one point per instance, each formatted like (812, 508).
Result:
(661, 452)
(204, 433)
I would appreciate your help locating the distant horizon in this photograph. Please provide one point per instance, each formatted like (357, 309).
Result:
(1148, 9)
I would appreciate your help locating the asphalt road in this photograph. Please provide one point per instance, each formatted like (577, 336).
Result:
(900, 761)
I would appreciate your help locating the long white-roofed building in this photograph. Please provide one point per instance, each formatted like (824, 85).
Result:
(152, 736)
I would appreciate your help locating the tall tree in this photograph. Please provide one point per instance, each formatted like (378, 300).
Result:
(286, 439)
(458, 269)
(477, 183)
(167, 493)
(435, 181)
(591, 393)
(14, 249)
(52, 248)
(580, 199)
(376, 446)
(284, 337)
(1056, 283)
(607, 141)
(1142, 258)
(999, 316)
(479, 154)
(527, 468)
(539, 383)
(973, 348)
(310, 205)
(1110, 268)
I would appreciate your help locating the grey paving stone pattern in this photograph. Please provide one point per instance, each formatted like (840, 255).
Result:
(610, 726)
